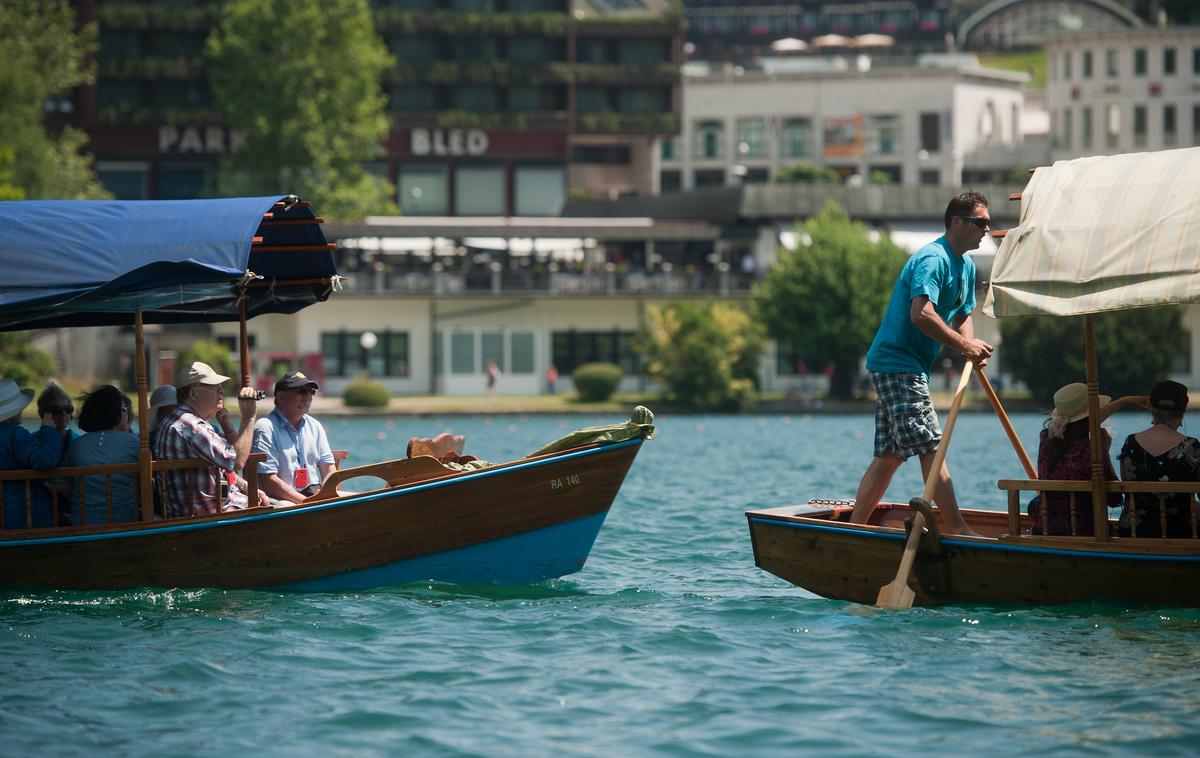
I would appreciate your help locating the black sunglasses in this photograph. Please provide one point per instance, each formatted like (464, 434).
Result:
(980, 223)
(56, 409)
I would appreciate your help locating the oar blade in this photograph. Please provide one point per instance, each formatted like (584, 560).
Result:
(897, 595)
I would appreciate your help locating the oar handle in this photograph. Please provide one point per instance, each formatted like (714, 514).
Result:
(940, 456)
(1030, 471)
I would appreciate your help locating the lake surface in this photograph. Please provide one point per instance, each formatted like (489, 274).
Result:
(670, 642)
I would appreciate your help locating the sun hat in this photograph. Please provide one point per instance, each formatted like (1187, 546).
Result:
(13, 399)
(294, 380)
(1169, 396)
(164, 395)
(1071, 401)
(199, 373)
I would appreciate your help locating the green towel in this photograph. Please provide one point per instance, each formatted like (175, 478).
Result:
(640, 424)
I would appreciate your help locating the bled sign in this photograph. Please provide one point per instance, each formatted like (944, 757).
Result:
(448, 142)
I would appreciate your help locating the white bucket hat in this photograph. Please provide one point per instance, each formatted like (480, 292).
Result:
(1071, 401)
(13, 399)
(199, 373)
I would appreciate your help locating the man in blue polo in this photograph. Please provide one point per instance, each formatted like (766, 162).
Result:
(930, 306)
(298, 454)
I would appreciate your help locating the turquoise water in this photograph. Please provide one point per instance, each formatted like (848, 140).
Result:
(670, 642)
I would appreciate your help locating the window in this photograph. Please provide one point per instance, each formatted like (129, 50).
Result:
(492, 350)
(525, 98)
(413, 98)
(176, 44)
(752, 137)
(118, 92)
(883, 134)
(592, 50)
(127, 181)
(591, 99)
(1139, 126)
(521, 351)
(666, 148)
(474, 48)
(931, 133)
(1196, 60)
(479, 6)
(1139, 61)
(797, 138)
(479, 191)
(709, 177)
(670, 181)
(931, 176)
(1087, 64)
(182, 182)
(1170, 128)
(532, 50)
(415, 49)
(572, 349)
(462, 353)
(642, 51)
(1067, 60)
(345, 355)
(1085, 118)
(708, 138)
(1196, 124)
(1168, 61)
(642, 99)
(120, 43)
(1067, 126)
(538, 190)
(424, 189)
(1112, 125)
(475, 97)
(1110, 64)
(756, 176)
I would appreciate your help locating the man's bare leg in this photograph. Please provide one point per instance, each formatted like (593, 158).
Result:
(944, 498)
(874, 483)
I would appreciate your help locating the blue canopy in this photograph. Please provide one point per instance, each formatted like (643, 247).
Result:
(93, 263)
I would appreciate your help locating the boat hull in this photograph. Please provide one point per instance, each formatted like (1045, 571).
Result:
(517, 523)
(817, 550)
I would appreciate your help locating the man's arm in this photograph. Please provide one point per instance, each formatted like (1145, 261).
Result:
(925, 317)
(247, 406)
(279, 489)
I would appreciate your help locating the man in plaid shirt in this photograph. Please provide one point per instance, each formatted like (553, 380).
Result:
(185, 433)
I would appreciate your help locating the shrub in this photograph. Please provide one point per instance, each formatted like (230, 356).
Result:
(596, 382)
(366, 394)
(215, 355)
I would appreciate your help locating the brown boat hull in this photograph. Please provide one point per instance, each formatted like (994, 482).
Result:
(520, 522)
(811, 548)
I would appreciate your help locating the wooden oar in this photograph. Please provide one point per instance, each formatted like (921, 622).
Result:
(1030, 471)
(898, 594)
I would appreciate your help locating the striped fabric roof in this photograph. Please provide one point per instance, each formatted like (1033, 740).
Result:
(1103, 234)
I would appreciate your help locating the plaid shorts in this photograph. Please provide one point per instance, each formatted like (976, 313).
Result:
(905, 422)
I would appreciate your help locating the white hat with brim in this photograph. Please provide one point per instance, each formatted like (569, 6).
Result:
(199, 373)
(13, 399)
(1071, 401)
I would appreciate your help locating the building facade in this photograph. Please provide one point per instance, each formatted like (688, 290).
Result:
(1124, 92)
(906, 126)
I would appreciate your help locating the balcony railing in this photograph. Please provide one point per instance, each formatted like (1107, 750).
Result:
(720, 282)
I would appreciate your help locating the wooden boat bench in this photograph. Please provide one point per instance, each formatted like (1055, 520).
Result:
(395, 473)
(1015, 487)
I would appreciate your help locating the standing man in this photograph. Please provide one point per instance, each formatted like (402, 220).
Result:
(298, 454)
(931, 306)
(185, 433)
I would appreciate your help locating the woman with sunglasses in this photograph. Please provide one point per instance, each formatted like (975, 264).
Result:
(55, 402)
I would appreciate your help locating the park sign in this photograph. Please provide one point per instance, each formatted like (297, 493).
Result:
(200, 140)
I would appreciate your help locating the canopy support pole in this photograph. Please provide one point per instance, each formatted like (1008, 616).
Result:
(146, 471)
(1099, 481)
(243, 340)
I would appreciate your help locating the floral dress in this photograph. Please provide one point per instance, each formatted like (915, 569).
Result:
(1076, 464)
(1179, 464)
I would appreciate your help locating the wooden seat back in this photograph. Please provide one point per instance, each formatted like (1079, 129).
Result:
(395, 473)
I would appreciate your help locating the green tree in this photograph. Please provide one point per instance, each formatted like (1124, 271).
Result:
(45, 57)
(807, 173)
(1134, 349)
(705, 355)
(20, 361)
(825, 298)
(302, 78)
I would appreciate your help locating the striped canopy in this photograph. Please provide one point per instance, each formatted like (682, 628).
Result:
(1102, 234)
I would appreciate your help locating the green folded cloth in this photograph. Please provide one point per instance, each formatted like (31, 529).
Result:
(640, 424)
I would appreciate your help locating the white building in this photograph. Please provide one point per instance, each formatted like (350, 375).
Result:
(1124, 91)
(921, 125)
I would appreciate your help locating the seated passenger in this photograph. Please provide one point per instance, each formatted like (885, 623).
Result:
(185, 433)
(162, 402)
(20, 449)
(1160, 454)
(298, 453)
(105, 419)
(1065, 452)
(55, 401)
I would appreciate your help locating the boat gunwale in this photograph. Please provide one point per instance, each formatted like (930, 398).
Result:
(799, 521)
(234, 518)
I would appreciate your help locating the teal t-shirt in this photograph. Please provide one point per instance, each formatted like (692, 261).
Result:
(949, 282)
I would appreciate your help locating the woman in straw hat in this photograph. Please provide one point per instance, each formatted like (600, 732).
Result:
(21, 449)
(1160, 454)
(1065, 453)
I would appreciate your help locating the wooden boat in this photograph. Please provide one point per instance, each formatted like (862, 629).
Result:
(161, 262)
(1095, 234)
